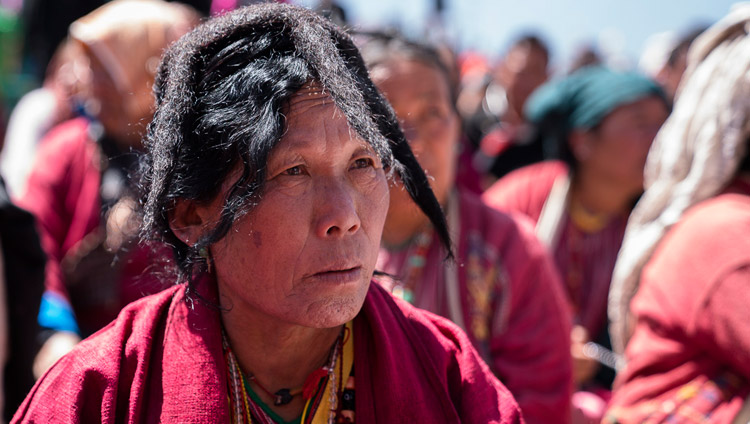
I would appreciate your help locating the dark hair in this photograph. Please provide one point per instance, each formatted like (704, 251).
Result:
(221, 91)
(378, 48)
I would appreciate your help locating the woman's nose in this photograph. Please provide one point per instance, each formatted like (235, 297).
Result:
(337, 210)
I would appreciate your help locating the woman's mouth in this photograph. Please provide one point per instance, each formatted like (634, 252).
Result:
(339, 275)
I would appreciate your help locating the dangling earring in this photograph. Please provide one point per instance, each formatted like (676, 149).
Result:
(205, 254)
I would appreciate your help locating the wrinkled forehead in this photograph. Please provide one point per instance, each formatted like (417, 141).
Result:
(311, 108)
(310, 97)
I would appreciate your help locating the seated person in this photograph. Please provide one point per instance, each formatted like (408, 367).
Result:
(79, 190)
(502, 286)
(600, 123)
(680, 291)
(267, 171)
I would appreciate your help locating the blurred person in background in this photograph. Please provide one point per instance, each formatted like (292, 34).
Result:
(473, 76)
(665, 59)
(587, 55)
(602, 124)
(45, 25)
(40, 110)
(502, 288)
(670, 75)
(501, 147)
(79, 189)
(680, 292)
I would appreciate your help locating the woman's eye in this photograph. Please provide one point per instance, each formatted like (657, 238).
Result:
(295, 170)
(363, 163)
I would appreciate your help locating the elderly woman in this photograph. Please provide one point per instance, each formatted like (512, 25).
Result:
(503, 288)
(267, 168)
(680, 293)
(601, 123)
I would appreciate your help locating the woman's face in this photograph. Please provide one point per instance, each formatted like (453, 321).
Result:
(616, 151)
(305, 254)
(420, 96)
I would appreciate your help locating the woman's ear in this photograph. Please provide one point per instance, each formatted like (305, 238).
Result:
(189, 220)
(581, 144)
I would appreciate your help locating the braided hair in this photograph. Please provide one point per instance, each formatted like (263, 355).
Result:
(221, 91)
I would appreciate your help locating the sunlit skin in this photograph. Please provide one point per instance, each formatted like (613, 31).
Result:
(612, 156)
(420, 96)
(297, 267)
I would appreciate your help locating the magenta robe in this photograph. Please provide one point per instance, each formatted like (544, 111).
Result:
(162, 361)
(511, 300)
(585, 260)
(692, 335)
(63, 194)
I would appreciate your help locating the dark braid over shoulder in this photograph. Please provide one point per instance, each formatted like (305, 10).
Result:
(221, 92)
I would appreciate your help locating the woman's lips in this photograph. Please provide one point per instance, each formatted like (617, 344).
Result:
(339, 276)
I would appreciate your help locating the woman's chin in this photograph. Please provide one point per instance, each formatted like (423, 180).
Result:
(330, 313)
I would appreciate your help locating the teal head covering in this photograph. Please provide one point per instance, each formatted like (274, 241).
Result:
(581, 101)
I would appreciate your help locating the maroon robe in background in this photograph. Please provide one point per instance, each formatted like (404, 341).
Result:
(162, 361)
(585, 259)
(63, 193)
(511, 302)
(689, 356)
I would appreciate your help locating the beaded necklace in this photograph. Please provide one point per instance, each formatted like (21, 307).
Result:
(404, 289)
(246, 406)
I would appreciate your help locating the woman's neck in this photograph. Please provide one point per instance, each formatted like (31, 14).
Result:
(278, 355)
(401, 228)
(599, 197)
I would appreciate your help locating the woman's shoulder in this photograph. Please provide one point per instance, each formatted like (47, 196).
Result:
(86, 379)
(438, 353)
(526, 189)
(427, 327)
(707, 244)
(714, 230)
(434, 341)
(726, 209)
(136, 322)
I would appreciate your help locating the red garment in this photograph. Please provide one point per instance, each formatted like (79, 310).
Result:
(525, 190)
(63, 193)
(498, 140)
(467, 176)
(692, 333)
(524, 330)
(162, 361)
(585, 260)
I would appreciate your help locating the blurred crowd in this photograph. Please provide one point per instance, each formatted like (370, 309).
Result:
(600, 218)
